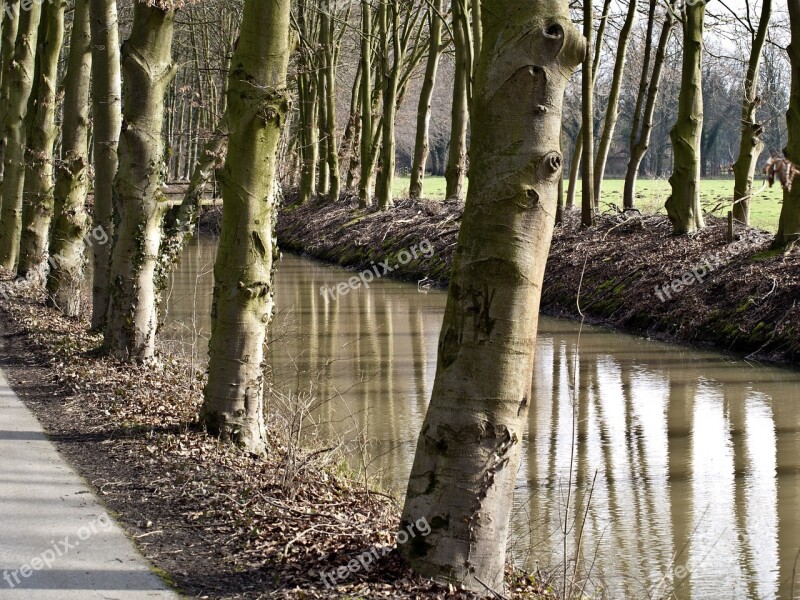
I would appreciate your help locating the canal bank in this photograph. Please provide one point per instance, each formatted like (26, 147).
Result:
(628, 272)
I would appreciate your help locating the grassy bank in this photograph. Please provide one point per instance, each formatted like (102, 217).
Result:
(716, 195)
(636, 276)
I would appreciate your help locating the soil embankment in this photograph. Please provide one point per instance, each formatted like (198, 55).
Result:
(632, 273)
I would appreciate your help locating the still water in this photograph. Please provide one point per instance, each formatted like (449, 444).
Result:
(669, 472)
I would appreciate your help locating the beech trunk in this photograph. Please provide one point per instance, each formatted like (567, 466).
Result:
(139, 201)
(422, 141)
(21, 80)
(106, 126)
(789, 225)
(71, 221)
(456, 171)
(612, 111)
(244, 270)
(468, 452)
(751, 146)
(683, 206)
(38, 190)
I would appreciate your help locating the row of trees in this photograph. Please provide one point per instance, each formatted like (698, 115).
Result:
(513, 61)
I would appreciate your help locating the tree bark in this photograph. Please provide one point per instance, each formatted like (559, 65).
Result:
(38, 189)
(366, 178)
(389, 30)
(71, 221)
(180, 222)
(789, 224)
(751, 146)
(140, 203)
(587, 114)
(21, 81)
(577, 153)
(243, 289)
(422, 142)
(612, 111)
(329, 73)
(457, 157)
(640, 140)
(106, 126)
(8, 38)
(465, 467)
(683, 206)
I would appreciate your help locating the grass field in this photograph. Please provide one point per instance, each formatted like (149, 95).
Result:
(652, 193)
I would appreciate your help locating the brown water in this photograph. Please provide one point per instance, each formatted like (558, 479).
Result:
(689, 460)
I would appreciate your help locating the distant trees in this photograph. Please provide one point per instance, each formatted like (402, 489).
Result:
(646, 99)
(468, 451)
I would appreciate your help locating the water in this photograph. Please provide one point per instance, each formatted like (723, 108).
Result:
(689, 461)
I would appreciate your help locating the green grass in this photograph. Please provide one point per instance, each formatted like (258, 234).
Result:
(651, 195)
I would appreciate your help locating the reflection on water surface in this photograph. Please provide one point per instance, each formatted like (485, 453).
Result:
(692, 459)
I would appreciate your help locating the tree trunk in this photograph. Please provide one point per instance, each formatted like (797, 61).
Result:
(71, 222)
(140, 203)
(422, 143)
(39, 195)
(465, 468)
(751, 145)
(9, 38)
(308, 123)
(457, 157)
(683, 206)
(612, 111)
(348, 151)
(329, 73)
(106, 126)
(181, 221)
(243, 274)
(21, 80)
(323, 175)
(389, 30)
(587, 114)
(366, 179)
(640, 141)
(789, 225)
(577, 153)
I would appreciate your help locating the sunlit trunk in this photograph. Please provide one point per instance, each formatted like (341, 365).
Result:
(462, 481)
(39, 193)
(139, 201)
(422, 142)
(71, 221)
(612, 111)
(459, 115)
(683, 206)
(789, 225)
(587, 118)
(106, 126)
(21, 80)
(389, 32)
(8, 38)
(751, 145)
(243, 273)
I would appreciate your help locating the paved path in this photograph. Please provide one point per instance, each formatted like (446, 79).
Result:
(56, 540)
